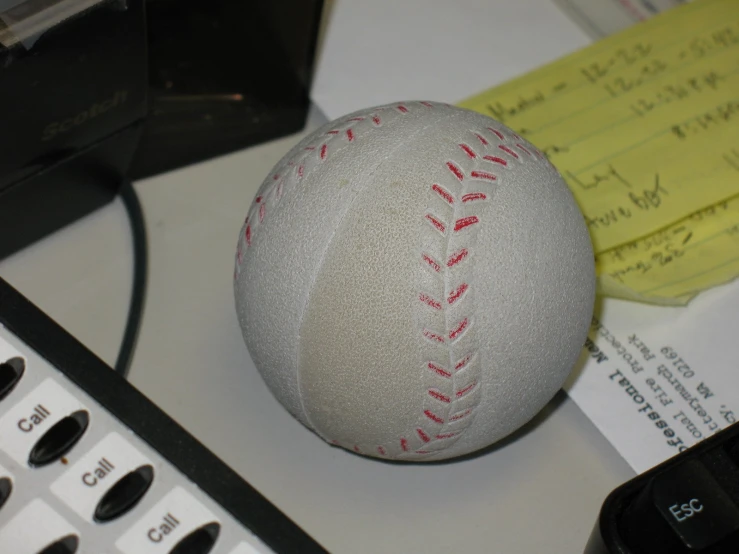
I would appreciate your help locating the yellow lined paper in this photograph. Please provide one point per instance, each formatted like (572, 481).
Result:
(672, 265)
(644, 127)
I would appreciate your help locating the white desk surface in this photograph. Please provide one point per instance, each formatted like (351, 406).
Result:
(540, 492)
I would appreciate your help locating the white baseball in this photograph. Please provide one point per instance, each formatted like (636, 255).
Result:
(414, 281)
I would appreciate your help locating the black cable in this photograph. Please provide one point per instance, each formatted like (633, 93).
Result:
(140, 270)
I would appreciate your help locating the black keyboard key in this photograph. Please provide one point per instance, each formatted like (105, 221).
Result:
(695, 506)
(125, 494)
(200, 541)
(11, 372)
(65, 545)
(60, 439)
(6, 487)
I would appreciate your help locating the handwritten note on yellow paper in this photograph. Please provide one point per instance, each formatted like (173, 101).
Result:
(644, 127)
(673, 264)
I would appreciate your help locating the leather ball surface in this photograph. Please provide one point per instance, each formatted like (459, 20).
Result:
(414, 281)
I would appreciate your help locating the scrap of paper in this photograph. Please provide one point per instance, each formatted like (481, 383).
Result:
(657, 380)
(644, 127)
(672, 265)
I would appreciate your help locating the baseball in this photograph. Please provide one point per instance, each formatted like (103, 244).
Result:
(414, 281)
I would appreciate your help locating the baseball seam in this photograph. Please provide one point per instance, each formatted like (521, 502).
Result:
(291, 172)
(453, 373)
(453, 369)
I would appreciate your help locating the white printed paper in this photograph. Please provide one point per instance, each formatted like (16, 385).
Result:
(601, 18)
(657, 380)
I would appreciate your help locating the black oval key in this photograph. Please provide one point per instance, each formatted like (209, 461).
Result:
(200, 541)
(65, 545)
(11, 372)
(60, 439)
(6, 487)
(125, 494)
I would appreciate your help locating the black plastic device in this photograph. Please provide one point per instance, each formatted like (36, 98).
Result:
(73, 93)
(96, 91)
(89, 464)
(689, 504)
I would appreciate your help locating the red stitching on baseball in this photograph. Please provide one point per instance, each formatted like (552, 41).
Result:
(472, 196)
(496, 160)
(445, 194)
(276, 193)
(459, 329)
(426, 299)
(521, 147)
(457, 257)
(460, 393)
(357, 450)
(463, 362)
(258, 208)
(433, 336)
(436, 223)
(496, 133)
(381, 450)
(460, 415)
(504, 148)
(467, 150)
(457, 293)
(433, 393)
(484, 175)
(433, 417)
(465, 222)
(439, 370)
(404, 445)
(432, 263)
(455, 170)
(427, 104)
(422, 435)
